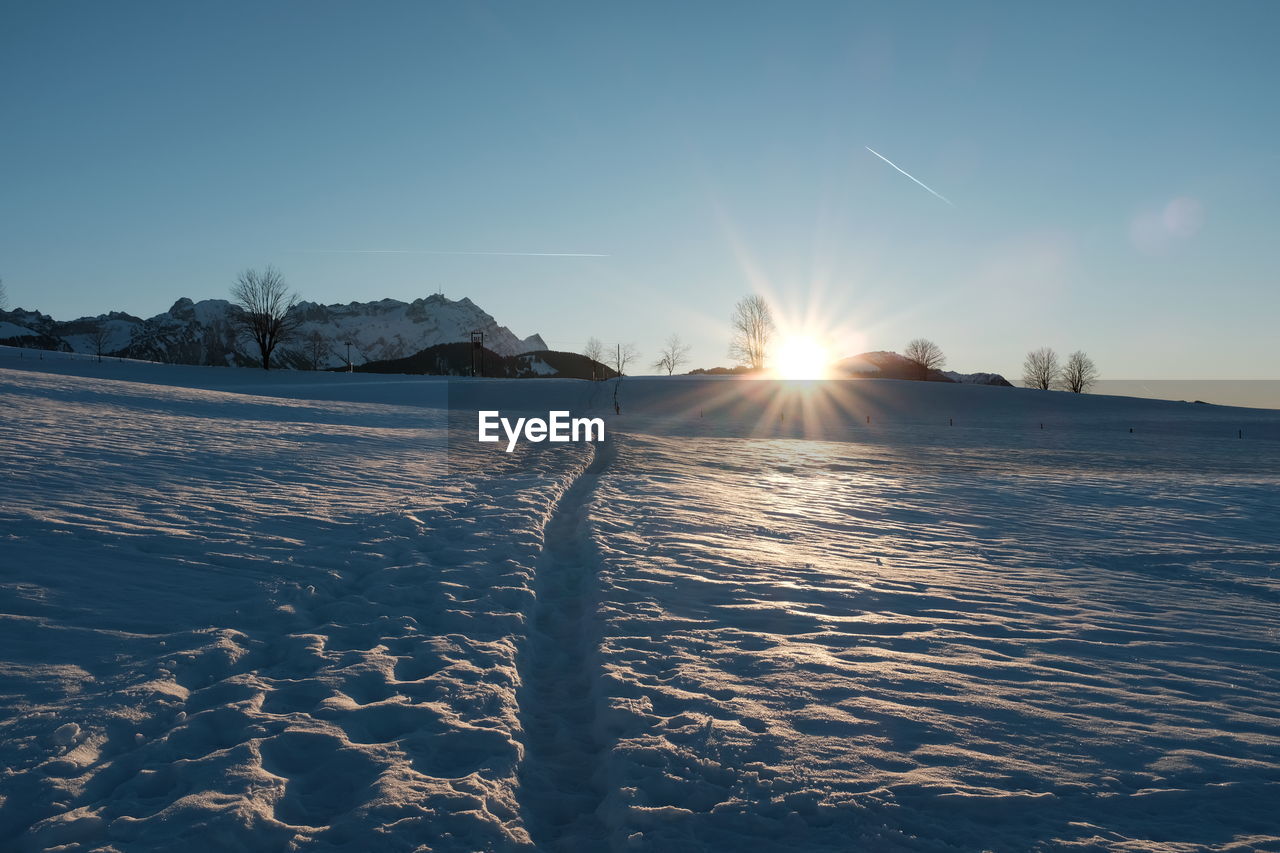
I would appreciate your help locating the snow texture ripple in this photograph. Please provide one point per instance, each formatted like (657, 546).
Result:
(261, 612)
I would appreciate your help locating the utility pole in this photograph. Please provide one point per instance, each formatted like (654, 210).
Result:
(477, 353)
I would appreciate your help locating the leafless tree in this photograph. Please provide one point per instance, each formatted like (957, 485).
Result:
(317, 349)
(751, 330)
(265, 309)
(99, 337)
(925, 355)
(623, 354)
(4, 297)
(674, 353)
(1080, 373)
(594, 350)
(1041, 369)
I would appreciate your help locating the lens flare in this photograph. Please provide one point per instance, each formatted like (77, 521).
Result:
(801, 357)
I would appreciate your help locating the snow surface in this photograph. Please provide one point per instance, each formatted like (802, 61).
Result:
(972, 378)
(10, 330)
(287, 610)
(118, 335)
(540, 367)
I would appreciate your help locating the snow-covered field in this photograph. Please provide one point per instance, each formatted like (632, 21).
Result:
(290, 611)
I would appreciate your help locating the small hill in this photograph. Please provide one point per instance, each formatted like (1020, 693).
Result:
(739, 370)
(454, 359)
(889, 365)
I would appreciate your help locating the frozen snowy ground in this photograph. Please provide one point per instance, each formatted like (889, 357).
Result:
(279, 620)
(928, 647)
(253, 622)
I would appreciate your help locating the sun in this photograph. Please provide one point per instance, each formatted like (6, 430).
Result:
(801, 357)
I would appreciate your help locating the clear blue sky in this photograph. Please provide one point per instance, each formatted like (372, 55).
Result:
(1114, 167)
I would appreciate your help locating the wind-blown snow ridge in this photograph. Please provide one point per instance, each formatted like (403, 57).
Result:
(327, 619)
(276, 622)
(916, 647)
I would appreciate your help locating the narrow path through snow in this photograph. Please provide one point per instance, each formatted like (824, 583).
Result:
(559, 790)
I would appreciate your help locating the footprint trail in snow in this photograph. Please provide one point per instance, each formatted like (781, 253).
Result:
(559, 785)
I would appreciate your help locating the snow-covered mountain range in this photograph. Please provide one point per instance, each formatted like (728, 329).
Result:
(202, 332)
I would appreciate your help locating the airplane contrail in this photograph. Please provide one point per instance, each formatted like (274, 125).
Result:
(908, 174)
(430, 252)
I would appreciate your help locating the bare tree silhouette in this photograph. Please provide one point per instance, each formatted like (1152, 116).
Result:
(318, 348)
(752, 328)
(1040, 370)
(265, 309)
(925, 355)
(99, 337)
(1080, 373)
(624, 354)
(594, 350)
(675, 352)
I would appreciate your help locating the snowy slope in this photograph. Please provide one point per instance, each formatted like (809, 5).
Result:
(977, 378)
(918, 647)
(306, 611)
(269, 622)
(9, 330)
(889, 365)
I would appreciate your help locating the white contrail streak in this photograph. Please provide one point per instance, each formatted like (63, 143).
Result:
(908, 174)
(430, 252)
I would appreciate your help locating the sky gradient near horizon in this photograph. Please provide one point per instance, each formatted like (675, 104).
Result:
(1112, 170)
